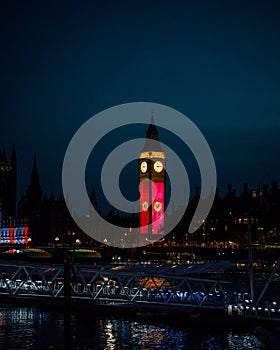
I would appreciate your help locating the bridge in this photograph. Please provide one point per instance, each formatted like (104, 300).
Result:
(127, 283)
(164, 287)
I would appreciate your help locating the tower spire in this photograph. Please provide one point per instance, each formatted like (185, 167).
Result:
(152, 168)
(152, 132)
(152, 118)
(34, 178)
(34, 202)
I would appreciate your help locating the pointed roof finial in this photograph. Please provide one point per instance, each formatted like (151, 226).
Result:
(152, 132)
(152, 118)
(35, 173)
(34, 162)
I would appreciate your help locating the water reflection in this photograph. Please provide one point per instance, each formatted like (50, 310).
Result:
(147, 334)
(20, 327)
(110, 339)
(31, 328)
(242, 341)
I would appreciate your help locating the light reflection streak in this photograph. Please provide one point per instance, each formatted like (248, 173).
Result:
(29, 328)
(111, 340)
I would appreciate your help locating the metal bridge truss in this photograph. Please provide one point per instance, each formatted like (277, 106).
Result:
(111, 283)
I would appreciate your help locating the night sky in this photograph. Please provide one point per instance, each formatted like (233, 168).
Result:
(215, 61)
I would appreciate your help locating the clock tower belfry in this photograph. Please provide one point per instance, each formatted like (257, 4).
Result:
(152, 183)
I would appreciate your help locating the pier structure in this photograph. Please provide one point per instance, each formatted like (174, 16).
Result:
(112, 283)
(146, 287)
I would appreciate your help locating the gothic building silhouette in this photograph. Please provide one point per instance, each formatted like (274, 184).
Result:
(49, 221)
(8, 185)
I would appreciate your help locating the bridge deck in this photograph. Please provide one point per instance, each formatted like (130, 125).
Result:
(126, 285)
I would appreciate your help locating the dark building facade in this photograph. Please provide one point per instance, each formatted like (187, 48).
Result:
(8, 185)
(44, 219)
(31, 206)
(47, 218)
(230, 217)
(12, 229)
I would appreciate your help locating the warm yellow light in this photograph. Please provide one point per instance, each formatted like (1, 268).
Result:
(152, 155)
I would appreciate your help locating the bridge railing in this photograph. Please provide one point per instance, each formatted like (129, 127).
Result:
(98, 283)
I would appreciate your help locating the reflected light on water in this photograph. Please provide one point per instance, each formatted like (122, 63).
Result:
(242, 341)
(110, 339)
(31, 328)
(146, 334)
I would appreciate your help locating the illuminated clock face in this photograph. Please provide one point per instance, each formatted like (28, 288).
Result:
(157, 206)
(145, 206)
(144, 167)
(158, 166)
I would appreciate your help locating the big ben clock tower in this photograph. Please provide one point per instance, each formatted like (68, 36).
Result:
(152, 182)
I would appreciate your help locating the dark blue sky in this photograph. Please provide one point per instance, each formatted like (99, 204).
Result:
(215, 61)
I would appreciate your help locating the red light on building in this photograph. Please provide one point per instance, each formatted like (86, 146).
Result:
(144, 210)
(14, 235)
(25, 234)
(152, 184)
(12, 240)
(158, 208)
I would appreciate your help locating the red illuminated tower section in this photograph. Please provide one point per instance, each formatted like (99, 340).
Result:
(152, 182)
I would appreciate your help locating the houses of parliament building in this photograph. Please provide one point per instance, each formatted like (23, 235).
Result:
(41, 219)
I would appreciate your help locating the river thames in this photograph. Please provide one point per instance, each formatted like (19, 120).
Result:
(33, 328)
